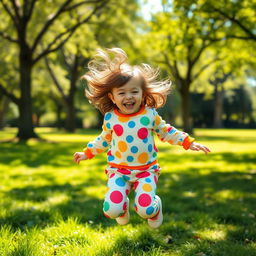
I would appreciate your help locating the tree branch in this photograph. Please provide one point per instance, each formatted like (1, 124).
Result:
(81, 3)
(54, 78)
(10, 39)
(49, 23)
(10, 13)
(16, 9)
(68, 33)
(233, 19)
(11, 96)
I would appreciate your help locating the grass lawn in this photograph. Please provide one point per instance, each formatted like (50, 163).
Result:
(51, 206)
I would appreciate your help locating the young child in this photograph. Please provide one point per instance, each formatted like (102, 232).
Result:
(128, 96)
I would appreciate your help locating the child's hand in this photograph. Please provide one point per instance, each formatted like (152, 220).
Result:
(79, 156)
(197, 147)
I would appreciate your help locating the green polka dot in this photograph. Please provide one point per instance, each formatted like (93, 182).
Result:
(106, 206)
(145, 120)
(154, 154)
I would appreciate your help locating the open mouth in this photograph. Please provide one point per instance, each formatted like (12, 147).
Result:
(129, 105)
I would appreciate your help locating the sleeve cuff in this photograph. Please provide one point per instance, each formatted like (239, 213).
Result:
(88, 153)
(187, 142)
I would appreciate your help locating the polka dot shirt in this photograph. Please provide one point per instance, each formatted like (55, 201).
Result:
(129, 138)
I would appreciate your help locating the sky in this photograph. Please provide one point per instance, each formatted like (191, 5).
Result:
(151, 6)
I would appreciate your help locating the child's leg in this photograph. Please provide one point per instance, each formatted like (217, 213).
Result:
(147, 204)
(116, 200)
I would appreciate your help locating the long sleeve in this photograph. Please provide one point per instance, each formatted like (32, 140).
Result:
(101, 143)
(168, 133)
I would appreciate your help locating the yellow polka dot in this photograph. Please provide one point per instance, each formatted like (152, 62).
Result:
(107, 189)
(122, 146)
(104, 127)
(158, 120)
(118, 154)
(147, 187)
(144, 112)
(123, 163)
(123, 119)
(165, 129)
(143, 158)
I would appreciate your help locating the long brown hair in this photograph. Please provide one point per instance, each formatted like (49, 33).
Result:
(109, 69)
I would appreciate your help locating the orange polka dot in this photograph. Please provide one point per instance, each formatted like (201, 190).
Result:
(104, 127)
(158, 120)
(147, 187)
(143, 158)
(108, 137)
(123, 119)
(99, 150)
(118, 154)
(144, 112)
(122, 146)
(165, 129)
(123, 163)
(170, 141)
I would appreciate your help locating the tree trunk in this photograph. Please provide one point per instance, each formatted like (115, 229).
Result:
(25, 125)
(218, 106)
(4, 108)
(70, 121)
(186, 106)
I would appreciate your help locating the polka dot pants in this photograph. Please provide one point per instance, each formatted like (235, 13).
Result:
(121, 181)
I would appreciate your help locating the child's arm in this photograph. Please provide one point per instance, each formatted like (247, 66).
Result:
(166, 132)
(95, 147)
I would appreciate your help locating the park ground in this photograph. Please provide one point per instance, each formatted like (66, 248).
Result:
(51, 206)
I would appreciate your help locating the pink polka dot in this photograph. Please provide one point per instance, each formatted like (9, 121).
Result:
(142, 133)
(116, 197)
(156, 180)
(124, 171)
(144, 200)
(112, 175)
(109, 153)
(118, 129)
(143, 175)
(125, 206)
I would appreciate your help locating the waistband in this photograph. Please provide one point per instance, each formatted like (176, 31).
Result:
(132, 167)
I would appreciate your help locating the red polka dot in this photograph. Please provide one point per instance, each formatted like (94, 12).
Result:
(156, 180)
(142, 133)
(124, 171)
(125, 206)
(144, 200)
(135, 185)
(118, 129)
(143, 175)
(112, 175)
(155, 148)
(106, 171)
(109, 153)
(106, 215)
(116, 197)
(127, 192)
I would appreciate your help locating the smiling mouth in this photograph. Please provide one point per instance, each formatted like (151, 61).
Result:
(129, 105)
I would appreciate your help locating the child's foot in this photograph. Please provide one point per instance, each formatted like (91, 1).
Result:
(124, 219)
(157, 220)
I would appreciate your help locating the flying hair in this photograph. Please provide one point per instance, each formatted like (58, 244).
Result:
(109, 69)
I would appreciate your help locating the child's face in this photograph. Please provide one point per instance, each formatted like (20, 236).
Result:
(128, 98)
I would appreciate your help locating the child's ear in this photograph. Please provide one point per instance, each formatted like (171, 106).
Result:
(110, 95)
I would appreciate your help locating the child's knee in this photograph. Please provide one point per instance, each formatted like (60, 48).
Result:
(112, 210)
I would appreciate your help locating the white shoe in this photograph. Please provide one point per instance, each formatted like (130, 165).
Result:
(124, 219)
(157, 220)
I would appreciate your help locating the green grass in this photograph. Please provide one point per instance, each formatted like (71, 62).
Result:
(51, 206)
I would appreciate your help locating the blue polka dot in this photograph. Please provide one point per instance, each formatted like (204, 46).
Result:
(114, 142)
(145, 140)
(148, 180)
(134, 149)
(130, 158)
(157, 130)
(150, 147)
(126, 178)
(111, 158)
(108, 116)
(150, 210)
(131, 124)
(120, 182)
(89, 145)
(98, 138)
(104, 144)
(108, 125)
(129, 139)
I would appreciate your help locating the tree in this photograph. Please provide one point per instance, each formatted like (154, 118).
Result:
(35, 42)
